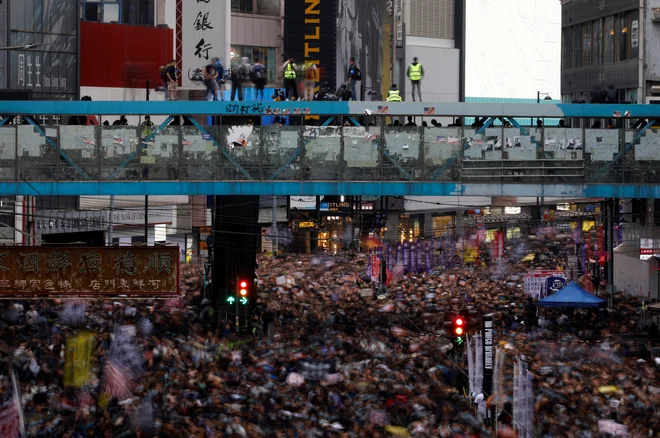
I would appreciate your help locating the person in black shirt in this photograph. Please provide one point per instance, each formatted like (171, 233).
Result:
(210, 81)
(353, 78)
(170, 73)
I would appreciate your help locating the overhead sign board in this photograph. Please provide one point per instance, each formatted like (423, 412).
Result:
(27, 271)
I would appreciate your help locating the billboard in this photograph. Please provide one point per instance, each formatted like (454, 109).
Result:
(50, 70)
(205, 29)
(27, 271)
(360, 35)
(311, 35)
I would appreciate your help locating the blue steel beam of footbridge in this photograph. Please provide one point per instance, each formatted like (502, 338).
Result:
(428, 109)
(373, 160)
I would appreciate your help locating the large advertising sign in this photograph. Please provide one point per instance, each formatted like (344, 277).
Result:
(205, 30)
(89, 272)
(311, 36)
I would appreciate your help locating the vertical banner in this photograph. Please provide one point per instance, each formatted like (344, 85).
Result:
(375, 267)
(601, 241)
(489, 354)
(500, 245)
(77, 360)
(406, 256)
(413, 257)
(206, 33)
(399, 253)
(311, 36)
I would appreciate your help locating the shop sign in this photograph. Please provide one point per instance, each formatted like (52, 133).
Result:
(341, 207)
(306, 224)
(27, 271)
(68, 221)
(646, 248)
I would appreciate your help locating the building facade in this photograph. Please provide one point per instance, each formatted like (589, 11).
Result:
(434, 31)
(613, 44)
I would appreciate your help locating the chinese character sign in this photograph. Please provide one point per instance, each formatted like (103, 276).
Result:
(205, 26)
(130, 271)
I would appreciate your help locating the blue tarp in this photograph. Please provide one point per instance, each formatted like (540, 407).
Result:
(571, 295)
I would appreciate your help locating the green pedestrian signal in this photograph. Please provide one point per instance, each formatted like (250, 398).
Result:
(231, 299)
(243, 301)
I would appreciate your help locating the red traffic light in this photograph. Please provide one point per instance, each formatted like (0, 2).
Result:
(243, 284)
(459, 322)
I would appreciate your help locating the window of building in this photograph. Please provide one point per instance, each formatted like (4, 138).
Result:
(265, 55)
(56, 202)
(242, 6)
(139, 12)
(576, 46)
(598, 42)
(623, 37)
(609, 41)
(566, 48)
(587, 49)
(268, 7)
(431, 19)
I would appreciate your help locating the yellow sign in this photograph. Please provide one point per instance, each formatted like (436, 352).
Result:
(78, 360)
(306, 224)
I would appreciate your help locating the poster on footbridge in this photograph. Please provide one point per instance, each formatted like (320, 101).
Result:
(87, 272)
(203, 31)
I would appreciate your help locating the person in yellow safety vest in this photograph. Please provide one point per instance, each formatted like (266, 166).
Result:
(415, 74)
(393, 95)
(290, 77)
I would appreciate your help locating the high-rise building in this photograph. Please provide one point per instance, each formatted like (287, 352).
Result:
(610, 45)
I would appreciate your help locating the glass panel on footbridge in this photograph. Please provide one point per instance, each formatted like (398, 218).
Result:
(243, 144)
(322, 160)
(80, 145)
(402, 160)
(200, 156)
(280, 158)
(442, 153)
(37, 154)
(7, 153)
(159, 158)
(642, 161)
(119, 155)
(362, 153)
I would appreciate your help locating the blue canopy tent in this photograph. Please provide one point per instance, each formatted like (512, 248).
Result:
(571, 295)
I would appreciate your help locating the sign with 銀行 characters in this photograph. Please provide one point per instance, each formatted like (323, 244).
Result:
(89, 272)
(205, 30)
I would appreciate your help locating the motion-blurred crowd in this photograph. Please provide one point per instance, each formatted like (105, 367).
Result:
(324, 358)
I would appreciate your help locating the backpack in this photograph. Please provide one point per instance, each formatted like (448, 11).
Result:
(257, 72)
(358, 74)
(163, 73)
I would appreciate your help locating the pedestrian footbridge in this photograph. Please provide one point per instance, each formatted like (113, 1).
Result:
(330, 148)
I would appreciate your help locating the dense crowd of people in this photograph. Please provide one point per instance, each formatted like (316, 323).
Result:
(326, 357)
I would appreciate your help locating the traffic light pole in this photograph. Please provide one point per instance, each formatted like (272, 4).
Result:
(238, 282)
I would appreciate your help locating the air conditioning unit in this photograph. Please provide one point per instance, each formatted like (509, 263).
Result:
(655, 15)
(655, 90)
